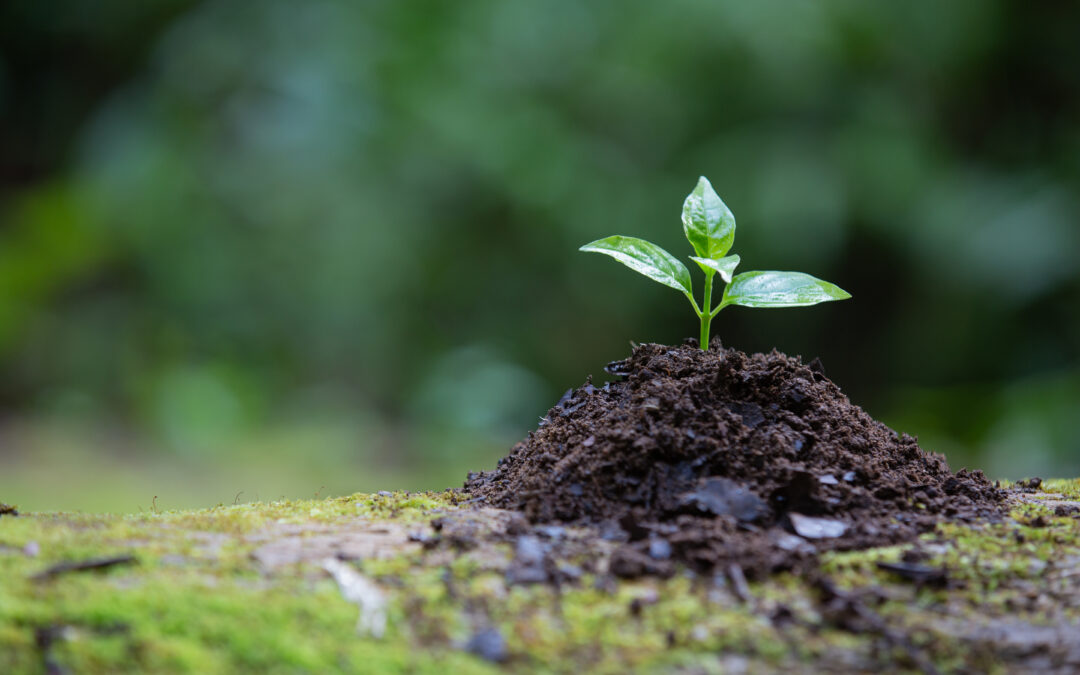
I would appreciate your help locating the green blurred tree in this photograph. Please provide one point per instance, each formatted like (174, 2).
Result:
(277, 195)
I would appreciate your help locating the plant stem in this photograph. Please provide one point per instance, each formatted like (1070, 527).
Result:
(706, 313)
(717, 310)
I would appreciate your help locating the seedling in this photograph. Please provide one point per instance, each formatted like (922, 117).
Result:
(710, 228)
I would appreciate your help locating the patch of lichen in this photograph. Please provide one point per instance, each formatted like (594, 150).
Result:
(196, 601)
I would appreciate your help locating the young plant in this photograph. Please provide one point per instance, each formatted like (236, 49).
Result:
(710, 227)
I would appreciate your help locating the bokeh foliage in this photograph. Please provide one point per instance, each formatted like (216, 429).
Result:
(221, 218)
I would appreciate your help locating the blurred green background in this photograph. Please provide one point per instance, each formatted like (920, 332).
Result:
(274, 248)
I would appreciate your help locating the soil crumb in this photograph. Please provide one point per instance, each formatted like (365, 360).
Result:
(718, 458)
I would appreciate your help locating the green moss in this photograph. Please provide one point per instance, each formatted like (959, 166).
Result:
(1068, 488)
(189, 607)
(197, 602)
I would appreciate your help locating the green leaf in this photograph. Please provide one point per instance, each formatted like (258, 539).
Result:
(708, 222)
(780, 289)
(645, 258)
(725, 266)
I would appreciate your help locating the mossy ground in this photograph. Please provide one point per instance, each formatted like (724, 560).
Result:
(206, 595)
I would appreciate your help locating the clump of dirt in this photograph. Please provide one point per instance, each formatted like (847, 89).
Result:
(717, 458)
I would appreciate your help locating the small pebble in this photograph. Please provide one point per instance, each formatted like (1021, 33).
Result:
(529, 550)
(816, 528)
(659, 549)
(551, 531)
(570, 572)
(488, 644)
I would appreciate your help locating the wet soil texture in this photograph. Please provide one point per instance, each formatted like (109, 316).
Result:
(721, 458)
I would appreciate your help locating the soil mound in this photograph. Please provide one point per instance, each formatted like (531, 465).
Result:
(721, 457)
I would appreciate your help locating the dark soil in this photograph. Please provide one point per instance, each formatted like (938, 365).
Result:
(718, 458)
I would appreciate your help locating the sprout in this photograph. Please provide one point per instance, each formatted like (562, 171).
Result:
(710, 228)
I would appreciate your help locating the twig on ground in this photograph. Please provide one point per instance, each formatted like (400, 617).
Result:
(82, 566)
(359, 590)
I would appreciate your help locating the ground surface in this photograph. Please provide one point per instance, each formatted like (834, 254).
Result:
(439, 585)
